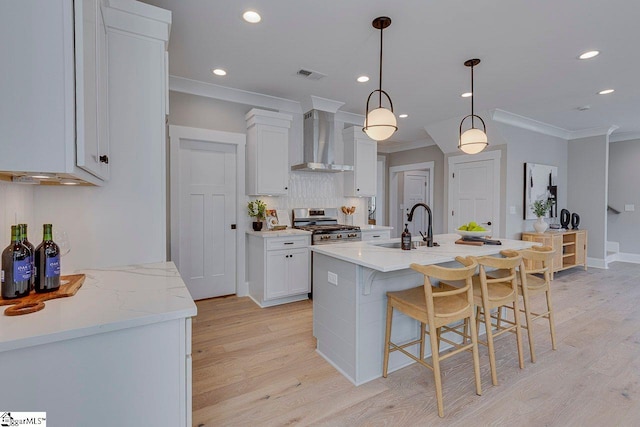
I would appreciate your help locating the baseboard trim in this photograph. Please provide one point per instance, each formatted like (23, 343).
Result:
(597, 263)
(624, 257)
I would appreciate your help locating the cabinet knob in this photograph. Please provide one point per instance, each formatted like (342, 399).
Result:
(357, 189)
(286, 188)
(104, 159)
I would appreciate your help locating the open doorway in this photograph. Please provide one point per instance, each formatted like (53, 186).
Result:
(408, 185)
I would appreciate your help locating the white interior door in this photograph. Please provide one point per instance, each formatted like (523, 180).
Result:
(415, 191)
(207, 210)
(473, 186)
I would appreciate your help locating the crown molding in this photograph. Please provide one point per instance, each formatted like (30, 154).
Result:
(502, 116)
(624, 136)
(350, 118)
(587, 133)
(223, 93)
(393, 147)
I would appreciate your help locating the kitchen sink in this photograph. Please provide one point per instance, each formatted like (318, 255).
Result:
(396, 245)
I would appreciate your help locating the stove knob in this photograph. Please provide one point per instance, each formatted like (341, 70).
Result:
(339, 236)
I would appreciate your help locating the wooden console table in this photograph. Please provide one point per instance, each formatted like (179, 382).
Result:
(570, 246)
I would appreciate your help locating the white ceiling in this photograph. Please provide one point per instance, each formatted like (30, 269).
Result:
(528, 50)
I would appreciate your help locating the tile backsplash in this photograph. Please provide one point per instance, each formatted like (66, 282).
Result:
(319, 190)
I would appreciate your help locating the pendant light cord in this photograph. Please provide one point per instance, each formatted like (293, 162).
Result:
(472, 95)
(380, 88)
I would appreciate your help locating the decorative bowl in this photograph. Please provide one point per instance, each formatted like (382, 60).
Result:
(474, 233)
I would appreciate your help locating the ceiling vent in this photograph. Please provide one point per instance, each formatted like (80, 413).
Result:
(310, 74)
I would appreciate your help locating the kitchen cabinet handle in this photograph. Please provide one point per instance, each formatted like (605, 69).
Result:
(286, 188)
(104, 159)
(357, 189)
(288, 243)
(376, 236)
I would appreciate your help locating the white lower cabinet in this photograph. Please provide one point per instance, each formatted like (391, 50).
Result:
(375, 235)
(279, 268)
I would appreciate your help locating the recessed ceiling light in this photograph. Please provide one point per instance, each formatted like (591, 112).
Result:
(606, 91)
(251, 17)
(363, 79)
(589, 54)
(403, 116)
(219, 72)
(466, 94)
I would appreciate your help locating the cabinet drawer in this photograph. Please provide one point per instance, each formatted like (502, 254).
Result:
(287, 243)
(376, 235)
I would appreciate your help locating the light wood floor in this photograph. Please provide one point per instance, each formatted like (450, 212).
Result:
(258, 367)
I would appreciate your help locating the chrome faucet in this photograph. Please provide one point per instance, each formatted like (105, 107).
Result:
(429, 237)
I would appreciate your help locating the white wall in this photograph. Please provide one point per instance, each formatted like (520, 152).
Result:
(624, 182)
(588, 161)
(525, 146)
(17, 207)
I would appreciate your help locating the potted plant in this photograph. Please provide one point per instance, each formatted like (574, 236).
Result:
(256, 209)
(540, 208)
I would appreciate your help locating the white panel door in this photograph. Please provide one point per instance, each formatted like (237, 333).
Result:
(415, 191)
(472, 187)
(207, 245)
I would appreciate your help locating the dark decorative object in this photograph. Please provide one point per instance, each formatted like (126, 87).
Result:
(257, 225)
(565, 218)
(575, 221)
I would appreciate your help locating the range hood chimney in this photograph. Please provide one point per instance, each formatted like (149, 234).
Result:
(319, 138)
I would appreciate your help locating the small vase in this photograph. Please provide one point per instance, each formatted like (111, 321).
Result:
(257, 225)
(540, 226)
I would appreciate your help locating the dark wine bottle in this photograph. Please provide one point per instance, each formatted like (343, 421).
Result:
(47, 262)
(16, 268)
(22, 229)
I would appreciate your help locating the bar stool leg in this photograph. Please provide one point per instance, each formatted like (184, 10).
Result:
(552, 322)
(527, 316)
(492, 354)
(436, 372)
(387, 338)
(476, 355)
(518, 333)
(423, 328)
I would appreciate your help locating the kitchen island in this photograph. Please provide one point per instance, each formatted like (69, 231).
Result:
(350, 282)
(119, 349)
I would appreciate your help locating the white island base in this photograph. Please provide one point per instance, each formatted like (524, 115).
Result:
(349, 315)
(118, 352)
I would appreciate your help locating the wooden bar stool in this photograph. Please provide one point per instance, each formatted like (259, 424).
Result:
(436, 308)
(494, 293)
(534, 279)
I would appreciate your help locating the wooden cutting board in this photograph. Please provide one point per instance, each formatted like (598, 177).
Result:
(35, 302)
(465, 242)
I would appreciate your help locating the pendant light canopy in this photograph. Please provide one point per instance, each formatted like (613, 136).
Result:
(473, 140)
(380, 123)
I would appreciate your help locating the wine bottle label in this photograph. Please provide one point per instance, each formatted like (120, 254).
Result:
(22, 270)
(2, 276)
(52, 267)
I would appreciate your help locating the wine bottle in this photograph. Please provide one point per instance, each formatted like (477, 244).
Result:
(47, 262)
(16, 268)
(22, 228)
(406, 238)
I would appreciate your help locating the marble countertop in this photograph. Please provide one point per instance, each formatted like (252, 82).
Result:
(110, 299)
(280, 233)
(370, 254)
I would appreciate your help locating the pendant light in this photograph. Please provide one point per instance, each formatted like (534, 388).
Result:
(380, 123)
(474, 140)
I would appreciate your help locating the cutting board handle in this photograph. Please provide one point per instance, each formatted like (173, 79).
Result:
(24, 308)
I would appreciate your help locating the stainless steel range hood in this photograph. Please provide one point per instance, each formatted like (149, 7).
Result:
(319, 144)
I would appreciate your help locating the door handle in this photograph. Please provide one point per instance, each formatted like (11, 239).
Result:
(487, 223)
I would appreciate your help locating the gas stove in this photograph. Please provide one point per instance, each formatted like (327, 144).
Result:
(323, 224)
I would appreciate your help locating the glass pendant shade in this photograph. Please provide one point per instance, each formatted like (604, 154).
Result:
(473, 141)
(380, 124)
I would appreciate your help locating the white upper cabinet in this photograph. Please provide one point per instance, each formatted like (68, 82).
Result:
(53, 110)
(362, 152)
(92, 108)
(267, 153)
